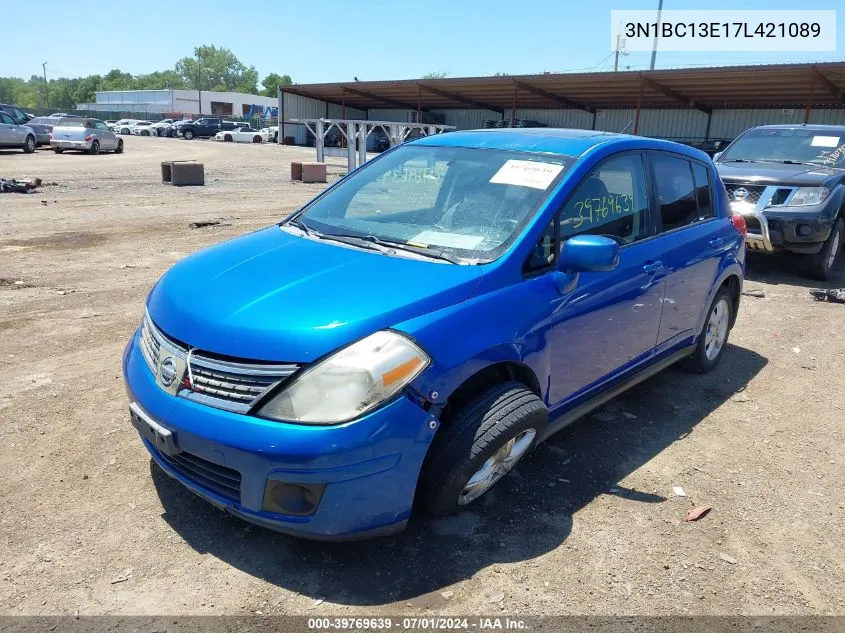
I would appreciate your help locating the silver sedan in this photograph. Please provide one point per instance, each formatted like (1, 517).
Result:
(86, 135)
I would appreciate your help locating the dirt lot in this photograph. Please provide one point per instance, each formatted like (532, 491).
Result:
(589, 524)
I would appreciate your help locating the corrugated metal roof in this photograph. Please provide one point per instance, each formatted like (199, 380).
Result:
(702, 88)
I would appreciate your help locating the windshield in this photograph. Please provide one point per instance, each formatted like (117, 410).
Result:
(73, 123)
(825, 148)
(468, 202)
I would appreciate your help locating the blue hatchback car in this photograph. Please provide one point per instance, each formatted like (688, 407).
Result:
(415, 330)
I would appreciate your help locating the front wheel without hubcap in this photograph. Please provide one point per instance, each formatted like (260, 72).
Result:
(479, 445)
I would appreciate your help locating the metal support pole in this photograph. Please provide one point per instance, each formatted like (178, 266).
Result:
(707, 130)
(350, 146)
(513, 111)
(616, 59)
(594, 120)
(810, 98)
(639, 107)
(654, 46)
(319, 141)
(281, 121)
(362, 143)
(419, 104)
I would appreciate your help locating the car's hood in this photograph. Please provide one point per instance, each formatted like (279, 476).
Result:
(275, 296)
(776, 174)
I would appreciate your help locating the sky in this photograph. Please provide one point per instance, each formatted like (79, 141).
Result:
(368, 39)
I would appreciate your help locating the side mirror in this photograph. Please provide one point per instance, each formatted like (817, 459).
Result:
(589, 253)
(716, 156)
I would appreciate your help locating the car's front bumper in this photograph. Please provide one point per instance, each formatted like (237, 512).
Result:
(369, 467)
(775, 229)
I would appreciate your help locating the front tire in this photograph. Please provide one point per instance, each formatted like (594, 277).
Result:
(820, 264)
(257, 139)
(714, 335)
(227, 138)
(119, 149)
(187, 135)
(29, 145)
(95, 147)
(480, 445)
(58, 150)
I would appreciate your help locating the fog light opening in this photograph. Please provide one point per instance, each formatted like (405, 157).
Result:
(292, 498)
(804, 230)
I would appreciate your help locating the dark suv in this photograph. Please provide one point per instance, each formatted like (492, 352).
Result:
(789, 183)
(18, 116)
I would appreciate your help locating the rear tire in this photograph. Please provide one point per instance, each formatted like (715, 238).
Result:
(58, 150)
(483, 442)
(29, 145)
(713, 338)
(820, 264)
(144, 133)
(95, 147)
(188, 135)
(119, 149)
(257, 139)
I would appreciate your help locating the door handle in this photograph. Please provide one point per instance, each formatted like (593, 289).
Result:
(716, 242)
(653, 267)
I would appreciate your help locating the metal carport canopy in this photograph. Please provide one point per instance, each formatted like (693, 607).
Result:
(806, 85)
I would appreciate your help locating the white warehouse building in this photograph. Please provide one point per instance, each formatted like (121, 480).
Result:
(185, 102)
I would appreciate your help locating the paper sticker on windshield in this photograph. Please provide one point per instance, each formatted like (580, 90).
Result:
(825, 141)
(451, 240)
(527, 173)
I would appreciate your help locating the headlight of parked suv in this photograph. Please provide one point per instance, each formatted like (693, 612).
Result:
(806, 196)
(350, 382)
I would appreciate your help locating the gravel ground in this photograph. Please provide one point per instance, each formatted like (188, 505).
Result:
(589, 524)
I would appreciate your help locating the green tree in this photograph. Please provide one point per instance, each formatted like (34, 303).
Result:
(213, 68)
(272, 82)
(437, 75)
(159, 80)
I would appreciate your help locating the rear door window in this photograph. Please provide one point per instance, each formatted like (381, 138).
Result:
(675, 192)
(703, 191)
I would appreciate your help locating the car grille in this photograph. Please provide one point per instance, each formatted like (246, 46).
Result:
(754, 192)
(223, 383)
(224, 481)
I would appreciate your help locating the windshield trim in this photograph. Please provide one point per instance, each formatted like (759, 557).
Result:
(468, 256)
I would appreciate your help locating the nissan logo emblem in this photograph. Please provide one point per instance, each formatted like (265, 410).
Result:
(167, 371)
(741, 193)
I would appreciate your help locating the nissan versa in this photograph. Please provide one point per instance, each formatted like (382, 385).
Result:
(415, 330)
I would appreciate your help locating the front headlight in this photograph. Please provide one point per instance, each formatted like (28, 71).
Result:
(350, 382)
(806, 196)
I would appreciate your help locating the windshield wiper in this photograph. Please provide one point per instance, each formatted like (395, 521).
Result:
(304, 227)
(739, 160)
(373, 243)
(796, 162)
(383, 245)
(352, 240)
(419, 250)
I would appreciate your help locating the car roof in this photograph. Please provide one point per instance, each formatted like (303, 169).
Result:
(568, 142)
